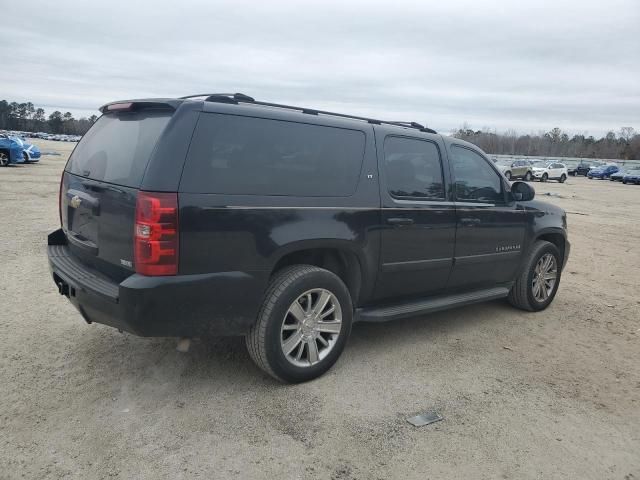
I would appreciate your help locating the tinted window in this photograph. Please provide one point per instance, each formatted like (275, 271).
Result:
(254, 156)
(117, 148)
(475, 180)
(413, 168)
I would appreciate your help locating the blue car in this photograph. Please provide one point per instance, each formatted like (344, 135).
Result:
(30, 152)
(605, 171)
(632, 176)
(11, 151)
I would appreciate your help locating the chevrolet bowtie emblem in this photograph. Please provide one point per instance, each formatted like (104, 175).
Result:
(75, 201)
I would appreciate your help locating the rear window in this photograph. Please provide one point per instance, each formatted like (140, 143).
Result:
(254, 156)
(117, 148)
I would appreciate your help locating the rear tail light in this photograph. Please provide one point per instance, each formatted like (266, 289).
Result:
(156, 234)
(60, 199)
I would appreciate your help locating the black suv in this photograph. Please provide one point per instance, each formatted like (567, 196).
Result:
(583, 168)
(228, 216)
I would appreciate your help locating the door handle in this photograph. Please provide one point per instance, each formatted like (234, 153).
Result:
(400, 221)
(470, 222)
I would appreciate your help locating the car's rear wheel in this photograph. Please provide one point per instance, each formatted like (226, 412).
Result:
(537, 284)
(303, 324)
(544, 177)
(4, 159)
(562, 178)
(507, 174)
(528, 177)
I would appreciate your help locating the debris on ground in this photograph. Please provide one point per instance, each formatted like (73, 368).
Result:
(425, 418)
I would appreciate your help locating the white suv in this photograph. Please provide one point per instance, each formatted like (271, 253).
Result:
(544, 170)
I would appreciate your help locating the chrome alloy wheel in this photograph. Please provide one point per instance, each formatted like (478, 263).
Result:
(4, 159)
(545, 276)
(311, 327)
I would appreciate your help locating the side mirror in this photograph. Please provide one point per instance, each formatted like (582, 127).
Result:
(522, 191)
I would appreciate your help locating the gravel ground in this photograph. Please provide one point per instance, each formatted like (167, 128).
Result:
(548, 395)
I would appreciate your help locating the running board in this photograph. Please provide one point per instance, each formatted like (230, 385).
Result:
(434, 304)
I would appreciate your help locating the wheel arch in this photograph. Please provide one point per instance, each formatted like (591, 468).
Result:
(7, 152)
(335, 256)
(556, 237)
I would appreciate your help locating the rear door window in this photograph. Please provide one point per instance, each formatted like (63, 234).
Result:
(413, 169)
(232, 154)
(118, 147)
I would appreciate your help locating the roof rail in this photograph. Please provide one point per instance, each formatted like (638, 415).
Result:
(236, 98)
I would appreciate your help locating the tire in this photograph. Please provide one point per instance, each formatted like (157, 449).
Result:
(522, 293)
(507, 174)
(4, 159)
(624, 181)
(528, 177)
(544, 177)
(562, 178)
(26, 157)
(300, 286)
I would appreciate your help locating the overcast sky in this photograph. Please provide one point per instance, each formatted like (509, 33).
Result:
(528, 65)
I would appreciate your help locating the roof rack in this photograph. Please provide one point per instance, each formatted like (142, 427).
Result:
(236, 98)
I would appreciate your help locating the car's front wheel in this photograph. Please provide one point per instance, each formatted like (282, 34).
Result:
(303, 324)
(537, 284)
(507, 174)
(562, 178)
(544, 177)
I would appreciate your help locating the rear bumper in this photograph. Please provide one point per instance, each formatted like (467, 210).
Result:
(224, 303)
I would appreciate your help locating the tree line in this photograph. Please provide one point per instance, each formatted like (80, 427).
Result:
(623, 145)
(26, 117)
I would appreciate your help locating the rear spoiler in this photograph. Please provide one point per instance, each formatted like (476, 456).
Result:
(135, 105)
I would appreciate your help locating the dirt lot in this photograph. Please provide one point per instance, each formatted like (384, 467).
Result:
(548, 395)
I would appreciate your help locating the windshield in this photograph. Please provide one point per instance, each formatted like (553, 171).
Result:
(540, 164)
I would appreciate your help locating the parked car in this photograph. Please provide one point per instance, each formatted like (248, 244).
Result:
(583, 168)
(544, 170)
(225, 216)
(603, 172)
(515, 169)
(30, 152)
(617, 176)
(632, 176)
(11, 151)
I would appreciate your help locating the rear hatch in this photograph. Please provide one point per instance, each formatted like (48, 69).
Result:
(100, 184)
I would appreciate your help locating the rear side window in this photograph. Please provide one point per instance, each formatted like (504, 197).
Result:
(413, 169)
(232, 154)
(117, 148)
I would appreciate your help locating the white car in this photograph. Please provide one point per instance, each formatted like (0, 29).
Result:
(544, 170)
